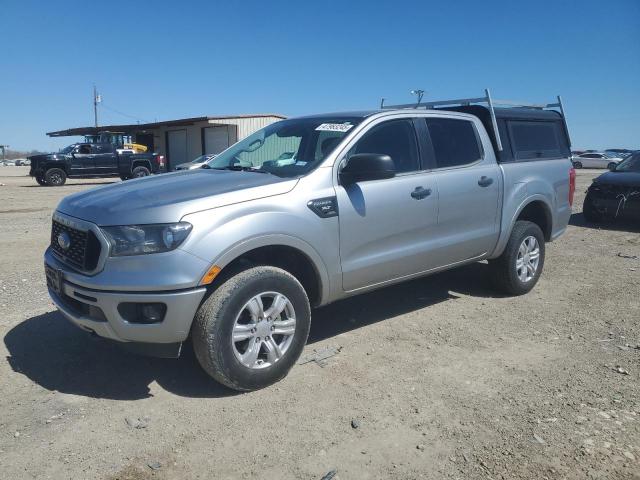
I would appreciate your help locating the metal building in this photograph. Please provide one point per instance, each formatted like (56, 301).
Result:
(184, 139)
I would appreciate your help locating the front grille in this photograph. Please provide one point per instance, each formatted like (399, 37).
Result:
(84, 248)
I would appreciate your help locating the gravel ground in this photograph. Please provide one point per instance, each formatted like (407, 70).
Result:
(435, 378)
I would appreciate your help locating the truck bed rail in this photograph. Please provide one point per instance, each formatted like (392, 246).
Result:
(490, 104)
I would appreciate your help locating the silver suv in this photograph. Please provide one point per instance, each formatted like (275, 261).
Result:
(305, 212)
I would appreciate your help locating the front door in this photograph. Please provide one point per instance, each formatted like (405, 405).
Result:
(385, 231)
(82, 162)
(469, 185)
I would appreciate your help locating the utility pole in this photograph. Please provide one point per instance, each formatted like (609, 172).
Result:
(96, 100)
(3, 147)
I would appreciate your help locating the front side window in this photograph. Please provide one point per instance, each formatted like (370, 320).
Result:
(289, 148)
(395, 138)
(455, 142)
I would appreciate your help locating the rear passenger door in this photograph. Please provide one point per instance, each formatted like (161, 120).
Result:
(469, 185)
(387, 226)
(106, 161)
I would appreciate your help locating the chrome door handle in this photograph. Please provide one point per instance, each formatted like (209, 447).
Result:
(485, 181)
(420, 192)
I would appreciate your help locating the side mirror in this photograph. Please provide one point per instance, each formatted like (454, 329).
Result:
(362, 167)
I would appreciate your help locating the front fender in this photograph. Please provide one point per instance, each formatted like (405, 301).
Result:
(220, 236)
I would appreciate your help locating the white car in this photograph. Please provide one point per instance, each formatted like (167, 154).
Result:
(595, 160)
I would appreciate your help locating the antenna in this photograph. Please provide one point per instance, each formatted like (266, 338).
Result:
(419, 94)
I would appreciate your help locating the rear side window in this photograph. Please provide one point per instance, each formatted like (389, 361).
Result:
(395, 138)
(455, 142)
(531, 140)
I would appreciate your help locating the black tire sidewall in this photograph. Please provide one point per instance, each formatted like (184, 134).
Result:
(530, 229)
(220, 360)
(140, 169)
(577, 165)
(50, 172)
(589, 210)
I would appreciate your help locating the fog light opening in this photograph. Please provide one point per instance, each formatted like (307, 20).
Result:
(144, 313)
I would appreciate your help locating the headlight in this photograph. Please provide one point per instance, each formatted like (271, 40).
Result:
(142, 239)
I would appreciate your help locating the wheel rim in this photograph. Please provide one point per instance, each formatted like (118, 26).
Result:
(55, 178)
(263, 330)
(141, 173)
(528, 259)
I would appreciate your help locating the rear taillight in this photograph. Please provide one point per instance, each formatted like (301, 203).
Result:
(572, 185)
(160, 160)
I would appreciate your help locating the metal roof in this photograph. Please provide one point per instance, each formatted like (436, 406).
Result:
(137, 127)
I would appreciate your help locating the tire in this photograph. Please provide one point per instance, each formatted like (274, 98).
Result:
(507, 276)
(140, 172)
(589, 211)
(577, 164)
(611, 165)
(41, 181)
(55, 177)
(124, 177)
(227, 310)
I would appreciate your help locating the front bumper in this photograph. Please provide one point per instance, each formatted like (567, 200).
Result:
(96, 310)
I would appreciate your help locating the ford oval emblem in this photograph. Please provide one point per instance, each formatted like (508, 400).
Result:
(64, 240)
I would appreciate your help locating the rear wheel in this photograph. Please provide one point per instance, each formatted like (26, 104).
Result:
(519, 267)
(577, 164)
(55, 177)
(140, 172)
(251, 330)
(612, 165)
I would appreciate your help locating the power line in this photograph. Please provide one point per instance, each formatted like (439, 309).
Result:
(122, 113)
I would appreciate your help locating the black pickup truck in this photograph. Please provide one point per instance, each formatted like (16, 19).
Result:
(93, 160)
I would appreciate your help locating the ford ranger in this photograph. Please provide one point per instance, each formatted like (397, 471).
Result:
(304, 212)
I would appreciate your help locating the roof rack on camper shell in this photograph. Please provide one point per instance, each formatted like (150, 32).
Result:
(491, 103)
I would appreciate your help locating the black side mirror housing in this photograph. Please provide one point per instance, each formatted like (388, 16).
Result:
(362, 167)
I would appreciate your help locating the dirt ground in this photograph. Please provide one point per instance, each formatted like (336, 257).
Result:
(435, 378)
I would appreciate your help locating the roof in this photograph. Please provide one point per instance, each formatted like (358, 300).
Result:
(136, 127)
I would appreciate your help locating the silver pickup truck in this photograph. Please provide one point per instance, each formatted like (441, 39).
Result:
(305, 212)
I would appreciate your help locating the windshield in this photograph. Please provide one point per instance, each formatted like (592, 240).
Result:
(289, 148)
(630, 164)
(202, 158)
(67, 149)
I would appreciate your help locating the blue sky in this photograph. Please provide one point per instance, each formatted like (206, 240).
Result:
(166, 60)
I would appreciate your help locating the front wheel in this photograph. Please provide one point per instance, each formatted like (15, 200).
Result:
(519, 267)
(56, 177)
(590, 212)
(251, 330)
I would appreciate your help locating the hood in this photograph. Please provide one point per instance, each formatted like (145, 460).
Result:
(624, 179)
(41, 157)
(169, 197)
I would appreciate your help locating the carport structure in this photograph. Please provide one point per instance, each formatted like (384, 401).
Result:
(184, 139)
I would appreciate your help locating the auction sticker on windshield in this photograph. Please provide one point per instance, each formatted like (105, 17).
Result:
(334, 127)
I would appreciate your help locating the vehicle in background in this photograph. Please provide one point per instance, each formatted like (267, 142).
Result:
(120, 140)
(93, 160)
(8, 163)
(196, 162)
(595, 160)
(615, 194)
(21, 162)
(618, 152)
(305, 212)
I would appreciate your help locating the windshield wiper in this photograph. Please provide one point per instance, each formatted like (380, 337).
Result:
(238, 168)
